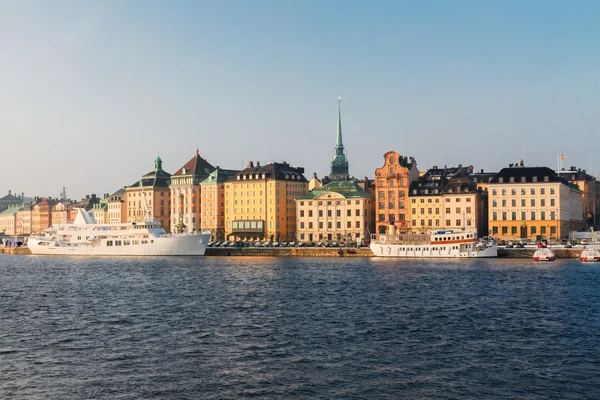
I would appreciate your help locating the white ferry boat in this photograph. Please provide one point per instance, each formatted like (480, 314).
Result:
(544, 254)
(87, 238)
(447, 243)
(590, 254)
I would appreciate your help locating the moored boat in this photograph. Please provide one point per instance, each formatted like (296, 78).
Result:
(590, 254)
(448, 243)
(85, 237)
(544, 254)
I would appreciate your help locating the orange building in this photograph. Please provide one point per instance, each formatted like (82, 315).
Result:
(392, 184)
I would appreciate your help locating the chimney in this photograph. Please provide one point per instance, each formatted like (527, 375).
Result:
(9, 192)
(93, 195)
(22, 195)
(250, 164)
(314, 175)
(522, 162)
(258, 164)
(87, 197)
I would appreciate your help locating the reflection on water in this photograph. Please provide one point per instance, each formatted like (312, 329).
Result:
(298, 328)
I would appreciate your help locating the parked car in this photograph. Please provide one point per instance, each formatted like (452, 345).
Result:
(583, 242)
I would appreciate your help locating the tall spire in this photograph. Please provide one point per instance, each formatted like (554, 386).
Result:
(339, 164)
(339, 145)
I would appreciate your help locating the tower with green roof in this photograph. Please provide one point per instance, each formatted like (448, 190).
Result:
(339, 163)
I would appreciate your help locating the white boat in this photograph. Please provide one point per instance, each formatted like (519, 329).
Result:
(87, 238)
(590, 254)
(447, 243)
(544, 254)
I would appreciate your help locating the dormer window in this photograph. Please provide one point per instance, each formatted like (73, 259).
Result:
(512, 179)
(501, 180)
(522, 179)
(534, 179)
(546, 178)
(414, 191)
(287, 176)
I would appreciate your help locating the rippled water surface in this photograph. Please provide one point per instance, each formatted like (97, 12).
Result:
(308, 328)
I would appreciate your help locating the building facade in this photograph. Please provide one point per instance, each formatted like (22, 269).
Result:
(339, 211)
(260, 202)
(149, 198)
(11, 200)
(8, 219)
(533, 203)
(392, 184)
(590, 192)
(117, 207)
(186, 196)
(213, 202)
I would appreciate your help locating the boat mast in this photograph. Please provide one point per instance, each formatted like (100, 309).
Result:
(145, 202)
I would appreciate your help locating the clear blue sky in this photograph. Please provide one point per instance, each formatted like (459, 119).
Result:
(91, 91)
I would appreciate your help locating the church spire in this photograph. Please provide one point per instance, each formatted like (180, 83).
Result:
(339, 145)
(339, 164)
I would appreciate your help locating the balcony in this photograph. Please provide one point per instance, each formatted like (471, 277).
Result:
(248, 227)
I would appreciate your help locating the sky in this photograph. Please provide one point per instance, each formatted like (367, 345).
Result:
(92, 91)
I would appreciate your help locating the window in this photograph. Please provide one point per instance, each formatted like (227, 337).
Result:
(414, 211)
(503, 192)
(358, 224)
(338, 213)
(542, 215)
(310, 225)
(302, 213)
(534, 230)
(513, 192)
(543, 230)
(458, 210)
(494, 203)
(532, 202)
(494, 192)
(542, 202)
(503, 215)
(513, 202)
(320, 213)
(542, 191)
(392, 205)
(437, 210)
(533, 216)
(381, 194)
(523, 202)
(422, 211)
(505, 230)
(381, 217)
(447, 210)
(320, 225)
(513, 230)
(503, 202)
(552, 215)
(522, 192)
(552, 202)
(328, 213)
(523, 215)
(447, 222)
(514, 215)
(495, 215)
(494, 230)
(338, 225)
(381, 205)
(422, 222)
(458, 222)
(533, 191)
(358, 212)
(551, 190)
(348, 213)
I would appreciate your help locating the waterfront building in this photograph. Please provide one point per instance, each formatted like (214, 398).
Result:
(260, 202)
(23, 223)
(392, 184)
(448, 198)
(60, 212)
(213, 202)
(8, 219)
(117, 207)
(41, 215)
(186, 204)
(150, 195)
(11, 200)
(100, 210)
(533, 203)
(590, 189)
(339, 211)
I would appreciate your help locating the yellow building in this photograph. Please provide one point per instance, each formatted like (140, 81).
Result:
(213, 202)
(340, 211)
(8, 219)
(533, 203)
(117, 207)
(150, 193)
(260, 202)
(447, 199)
(186, 204)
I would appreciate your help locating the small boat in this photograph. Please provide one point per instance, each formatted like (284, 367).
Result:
(544, 254)
(590, 254)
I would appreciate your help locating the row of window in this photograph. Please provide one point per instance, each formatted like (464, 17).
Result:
(338, 225)
(514, 230)
(338, 213)
(436, 222)
(513, 191)
(126, 242)
(437, 210)
(532, 214)
(532, 202)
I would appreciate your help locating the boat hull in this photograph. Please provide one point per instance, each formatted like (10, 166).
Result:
(427, 251)
(168, 245)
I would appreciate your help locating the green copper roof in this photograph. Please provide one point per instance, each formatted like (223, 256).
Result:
(348, 189)
(219, 176)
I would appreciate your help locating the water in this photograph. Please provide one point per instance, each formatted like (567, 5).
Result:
(290, 328)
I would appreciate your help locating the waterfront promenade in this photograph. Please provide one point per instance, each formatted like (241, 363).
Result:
(561, 252)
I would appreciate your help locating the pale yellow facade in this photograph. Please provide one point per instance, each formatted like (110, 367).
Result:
(331, 216)
(157, 200)
(259, 202)
(543, 209)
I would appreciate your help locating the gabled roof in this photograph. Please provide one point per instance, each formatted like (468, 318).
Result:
(196, 166)
(219, 176)
(348, 189)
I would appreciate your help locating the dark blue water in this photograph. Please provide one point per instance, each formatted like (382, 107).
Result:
(220, 328)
